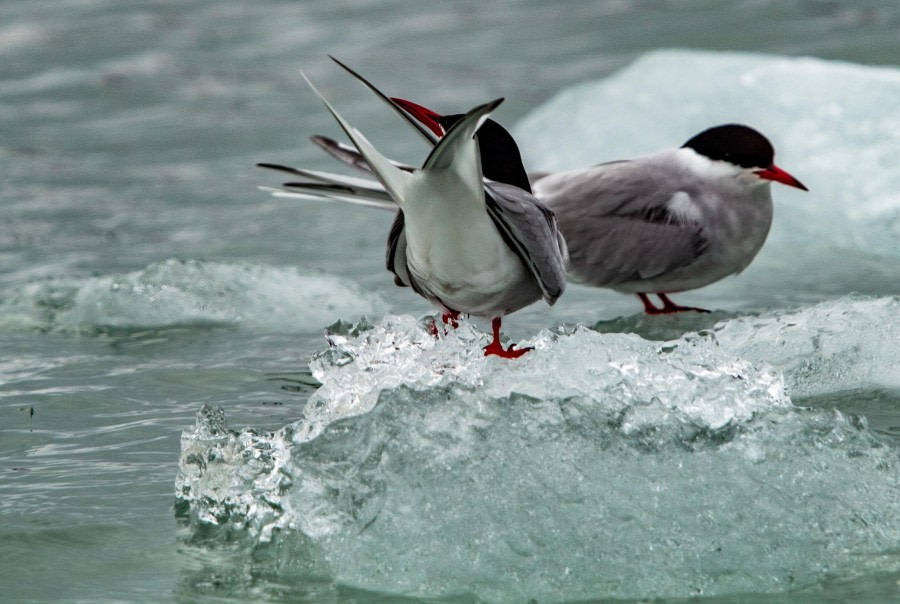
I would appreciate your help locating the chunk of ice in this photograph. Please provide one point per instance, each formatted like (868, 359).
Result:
(423, 468)
(848, 344)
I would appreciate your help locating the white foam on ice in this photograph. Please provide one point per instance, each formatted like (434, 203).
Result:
(420, 467)
(830, 123)
(399, 352)
(178, 293)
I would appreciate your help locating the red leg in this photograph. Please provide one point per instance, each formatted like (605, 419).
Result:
(496, 348)
(432, 328)
(648, 305)
(669, 306)
(451, 317)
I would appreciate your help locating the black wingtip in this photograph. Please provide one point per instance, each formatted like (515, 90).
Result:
(491, 105)
(277, 167)
(419, 127)
(323, 141)
(346, 68)
(336, 60)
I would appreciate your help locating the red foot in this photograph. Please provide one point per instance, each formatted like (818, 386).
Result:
(496, 348)
(448, 318)
(668, 306)
(451, 318)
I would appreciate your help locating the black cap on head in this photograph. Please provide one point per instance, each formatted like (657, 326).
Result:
(734, 143)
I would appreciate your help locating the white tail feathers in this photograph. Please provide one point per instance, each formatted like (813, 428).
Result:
(461, 133)
(395, 180)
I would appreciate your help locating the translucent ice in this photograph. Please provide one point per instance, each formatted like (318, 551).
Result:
(851, 343)
(175, 293)
(596, 465)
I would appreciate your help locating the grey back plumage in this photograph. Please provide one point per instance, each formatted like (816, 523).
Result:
(619, 224)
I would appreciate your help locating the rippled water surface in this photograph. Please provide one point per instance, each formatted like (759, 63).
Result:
(176, 426)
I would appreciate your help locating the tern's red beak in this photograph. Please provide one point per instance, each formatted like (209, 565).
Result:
(775, 173)
(428, 117)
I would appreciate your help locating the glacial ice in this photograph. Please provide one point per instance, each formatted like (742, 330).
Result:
(420, 467)
(176, 293)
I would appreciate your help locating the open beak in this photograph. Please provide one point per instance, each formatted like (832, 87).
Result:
(775, 173)
(426, 116)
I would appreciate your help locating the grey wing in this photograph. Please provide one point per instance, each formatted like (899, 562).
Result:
(345, 153)
(530, 229)
(396, 252)
(619, 224)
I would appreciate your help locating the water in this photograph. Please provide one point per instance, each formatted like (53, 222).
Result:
(158, 316)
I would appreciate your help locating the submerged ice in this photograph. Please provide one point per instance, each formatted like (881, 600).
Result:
(596, 464)
(176, 293)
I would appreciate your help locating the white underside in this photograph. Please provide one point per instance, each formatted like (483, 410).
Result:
(454, 247)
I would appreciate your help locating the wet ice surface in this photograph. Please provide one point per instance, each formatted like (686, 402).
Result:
(421, 467)
(850, 343)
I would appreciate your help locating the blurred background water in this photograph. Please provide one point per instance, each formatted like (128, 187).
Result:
(142, 275)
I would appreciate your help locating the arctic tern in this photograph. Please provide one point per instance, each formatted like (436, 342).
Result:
(466, 243)
(667, 222)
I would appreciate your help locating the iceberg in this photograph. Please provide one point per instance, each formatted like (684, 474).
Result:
(819, 115)
(852, 343)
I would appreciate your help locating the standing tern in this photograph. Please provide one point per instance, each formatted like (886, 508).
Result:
(465, 243)
(668, 222)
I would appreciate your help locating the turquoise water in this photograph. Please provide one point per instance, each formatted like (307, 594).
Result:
(144, 276)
